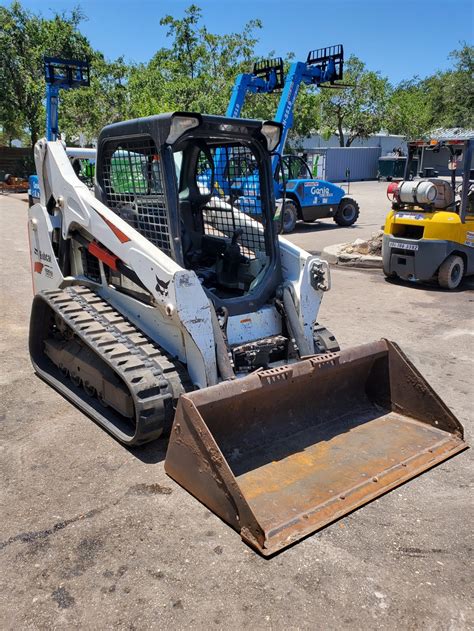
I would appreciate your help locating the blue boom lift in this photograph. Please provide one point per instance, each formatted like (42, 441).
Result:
(306, 197)
(59, 74)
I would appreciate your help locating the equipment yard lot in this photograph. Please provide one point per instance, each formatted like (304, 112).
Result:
(95, 535)
(374, 205)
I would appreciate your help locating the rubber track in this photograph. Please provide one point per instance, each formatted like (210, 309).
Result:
(154, 381)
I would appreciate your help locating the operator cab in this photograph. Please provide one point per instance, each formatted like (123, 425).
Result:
(200, 189)
(223, 224)
(295, 168)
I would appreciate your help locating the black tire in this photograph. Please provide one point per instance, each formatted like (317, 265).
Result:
(347, 213)
(290, 216)
(450, 272)
(30, 201)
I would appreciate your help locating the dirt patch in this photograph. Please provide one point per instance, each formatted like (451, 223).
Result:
(150, 489)
(63, 598)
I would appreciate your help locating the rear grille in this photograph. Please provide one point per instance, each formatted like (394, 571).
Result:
(90, 266)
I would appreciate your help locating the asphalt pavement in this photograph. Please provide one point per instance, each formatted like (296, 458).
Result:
(96, 536)
(374, 205)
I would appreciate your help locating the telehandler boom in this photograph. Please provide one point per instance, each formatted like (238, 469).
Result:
(161, 305)
(307, 198)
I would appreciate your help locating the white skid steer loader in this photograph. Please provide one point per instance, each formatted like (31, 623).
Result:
(166, 303)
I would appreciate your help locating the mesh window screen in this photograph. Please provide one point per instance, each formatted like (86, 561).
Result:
(236, 201)
(132, 179)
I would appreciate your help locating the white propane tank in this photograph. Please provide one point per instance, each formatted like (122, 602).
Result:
(421, 192)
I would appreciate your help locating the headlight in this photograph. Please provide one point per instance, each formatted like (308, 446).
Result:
(180, 124)
(272, 133)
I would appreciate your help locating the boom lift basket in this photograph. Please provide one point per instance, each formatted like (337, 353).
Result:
(284, 452)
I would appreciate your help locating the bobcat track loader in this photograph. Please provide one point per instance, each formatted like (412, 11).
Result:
(164, 305)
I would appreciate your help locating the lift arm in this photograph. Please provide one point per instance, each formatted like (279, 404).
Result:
(267, 76)
(324, 65)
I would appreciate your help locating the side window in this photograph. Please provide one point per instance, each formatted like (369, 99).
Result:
(178, 163)
(127, 171)
(132, 172)
(297, 168)
(204, 173)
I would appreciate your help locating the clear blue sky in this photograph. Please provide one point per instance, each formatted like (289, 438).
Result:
(401, 38)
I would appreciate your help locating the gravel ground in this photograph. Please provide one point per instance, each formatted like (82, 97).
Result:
(96, 536)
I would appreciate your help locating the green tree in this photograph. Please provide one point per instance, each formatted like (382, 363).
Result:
(451, 93)
(25, 39)
(86, 110)
(358, 111)
(196, 72)
(409, 110)
(11, 128)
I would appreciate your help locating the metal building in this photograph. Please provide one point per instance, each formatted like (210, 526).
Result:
(337, 164)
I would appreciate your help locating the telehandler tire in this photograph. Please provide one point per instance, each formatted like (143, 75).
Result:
(290, 216)
(347, 213)
(451, 272)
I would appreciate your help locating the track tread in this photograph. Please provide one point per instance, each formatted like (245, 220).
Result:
(140, 363)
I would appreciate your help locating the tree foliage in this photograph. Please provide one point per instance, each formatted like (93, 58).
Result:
(196, 71)
(356, 111)
(444, 99)
(451, 93)
(409, 111)
(25, 39)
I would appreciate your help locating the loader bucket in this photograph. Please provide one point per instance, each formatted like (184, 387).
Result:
(284, 452)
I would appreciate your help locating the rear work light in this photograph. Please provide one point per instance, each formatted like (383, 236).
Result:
(272, 133)
(180, 124)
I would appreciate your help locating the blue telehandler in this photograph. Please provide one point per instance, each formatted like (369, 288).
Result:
(305, 197)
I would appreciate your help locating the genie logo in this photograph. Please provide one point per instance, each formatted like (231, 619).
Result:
(322, 191)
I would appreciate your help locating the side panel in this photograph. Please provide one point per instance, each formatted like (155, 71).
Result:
(44, 266)
(315, 193)
(310, 213)
(177, 293)
(296, 267)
